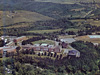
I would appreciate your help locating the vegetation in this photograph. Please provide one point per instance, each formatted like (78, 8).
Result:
(54, 19)
(87, 64)
(1, 43)
(44, 31)
(96, 12)
(51, 28)
(29, 41)
(39, 25)
(17, 17)
(48, 9)
(67, 1)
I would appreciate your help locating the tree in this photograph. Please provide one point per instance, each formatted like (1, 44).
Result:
(42, 54)
(0, 55)
(17, 49)
(17, 66)
(55, 54)
(45, 53)
(1, 69)
(15, 41)
(49, 54)
(78, 73)
(61, 69)
(20, 72)
(2, 43)
(61, 56)
(13, 72)
(33, 51)
(24, 42)
(39, 54)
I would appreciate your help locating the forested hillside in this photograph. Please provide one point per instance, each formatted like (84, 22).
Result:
(46, 8)
(67, 1)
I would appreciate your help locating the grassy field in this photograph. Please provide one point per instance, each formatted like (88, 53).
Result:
(19, 25)
(88, 21)
(43, 31)
(86, 38)
(44, 41)
(97, 23)
(66, 36)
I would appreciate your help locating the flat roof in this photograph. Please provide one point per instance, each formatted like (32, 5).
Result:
(68, 40)
(44, 44)
(8, 48)
(20, 37)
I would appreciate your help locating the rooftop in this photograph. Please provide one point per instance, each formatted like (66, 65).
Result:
(68, 40)
(94, 36)
(74, 52)
(7, 48)
(44, 44)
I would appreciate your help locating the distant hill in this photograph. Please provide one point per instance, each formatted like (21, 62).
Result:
(54, 1)
(53, 10)
(67, 1)
(22, 16)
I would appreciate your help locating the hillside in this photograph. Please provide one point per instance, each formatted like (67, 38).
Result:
(22, 16)
(54, 10)
(67, 1)
(54, 1)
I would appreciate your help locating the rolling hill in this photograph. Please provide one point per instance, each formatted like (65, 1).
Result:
(22, 16)
(67, 1)
(54, 10)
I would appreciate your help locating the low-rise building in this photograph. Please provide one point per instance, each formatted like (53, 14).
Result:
(44, 48)
(44, 45)
(57, 49)
(68, 40)
(74, 53)
(8, 49)
(64, 45)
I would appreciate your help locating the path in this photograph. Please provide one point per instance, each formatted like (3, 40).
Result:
(87, 13)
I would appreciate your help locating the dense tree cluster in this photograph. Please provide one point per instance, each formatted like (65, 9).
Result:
(32, 39)
(39, 25)
(2, 43)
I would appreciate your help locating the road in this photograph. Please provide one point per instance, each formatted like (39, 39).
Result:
(56, 43)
